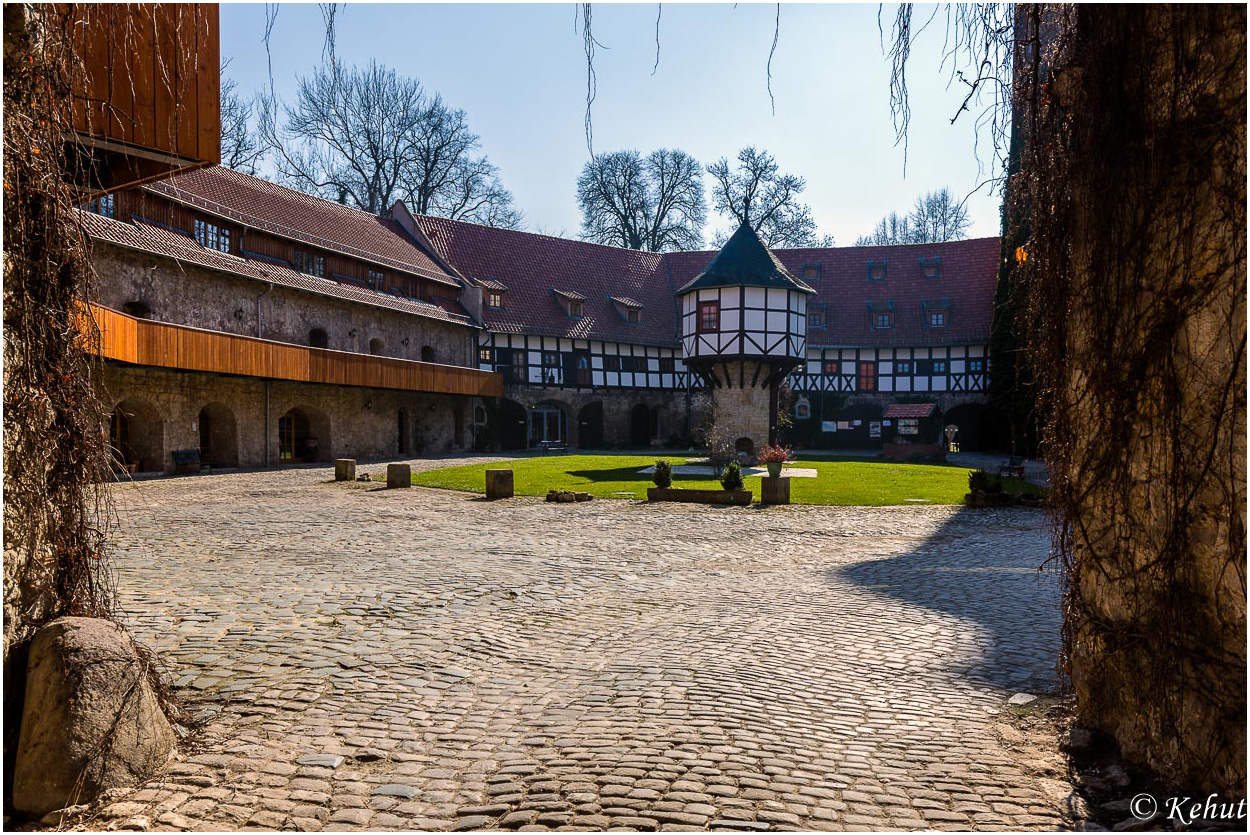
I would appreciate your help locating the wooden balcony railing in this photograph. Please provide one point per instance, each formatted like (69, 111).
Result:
(143, 342)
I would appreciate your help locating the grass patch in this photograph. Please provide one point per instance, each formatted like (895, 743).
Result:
(617, 477)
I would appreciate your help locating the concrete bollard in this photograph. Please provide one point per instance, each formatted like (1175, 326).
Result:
(499, 484)
(398, 475)
(344, 469)
(775, 490)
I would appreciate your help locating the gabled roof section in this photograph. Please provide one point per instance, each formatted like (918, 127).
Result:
(625, 301)
(532, 265)
(492, 284)
(571, 295)
(300, 217)
(744, 261)
(156, 239)
(909, 410)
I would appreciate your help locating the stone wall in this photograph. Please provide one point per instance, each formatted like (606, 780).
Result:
(742, 412)
(200, 298)
(681, 413)
(350, 422)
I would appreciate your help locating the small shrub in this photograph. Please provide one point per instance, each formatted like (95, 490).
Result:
(663, 476)
(773, 454)
(982, 480)
(731, 478)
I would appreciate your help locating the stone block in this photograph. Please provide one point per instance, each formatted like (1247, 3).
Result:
(398, 475)
(775, 490)
(499, 484)
(345, 469)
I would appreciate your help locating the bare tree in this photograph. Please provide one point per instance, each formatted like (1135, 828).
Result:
(241, 148)
(755, 193)
(368, 137)
(936, 217)
(654, 204)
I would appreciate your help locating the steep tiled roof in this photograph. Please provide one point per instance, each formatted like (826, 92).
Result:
(291, 214)
(745, 261)
(966, 280)
(531, 266)
(158, 240)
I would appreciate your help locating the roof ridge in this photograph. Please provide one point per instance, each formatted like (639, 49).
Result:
(540, 235)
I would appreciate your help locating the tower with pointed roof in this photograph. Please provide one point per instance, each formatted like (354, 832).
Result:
(744, 331)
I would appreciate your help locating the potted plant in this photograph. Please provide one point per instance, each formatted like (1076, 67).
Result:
(773, 457)
(663, 475)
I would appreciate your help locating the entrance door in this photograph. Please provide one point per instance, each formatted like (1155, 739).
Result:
(546, 424)
(206, 436)
(119, 438)
(292, 438)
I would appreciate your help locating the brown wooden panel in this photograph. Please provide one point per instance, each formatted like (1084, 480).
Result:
(143, 342)
(185, 93)
(208, 82)
(143, 76)
(165, 104)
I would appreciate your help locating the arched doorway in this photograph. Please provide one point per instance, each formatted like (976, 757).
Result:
(641, 425)
(512, 425)
(547, 424)
(745, 445)
(137, 436)
(219, 439)
(376, 347)
(303, 436)
(969, 417)
(590, 426)
(427, 354)
(457, 415)
(402, 442)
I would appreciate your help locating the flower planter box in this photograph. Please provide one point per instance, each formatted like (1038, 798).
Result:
(679, 494)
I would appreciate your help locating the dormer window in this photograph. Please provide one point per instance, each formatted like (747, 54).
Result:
(877, 270)
(494, 299)
(309, 263)
(931, 267)
(630, 310)
(709, 317)
(573, 301)
(937, 318)
(102, 205)
(883, 321)
(935, 314)
(212, 236)
(811, 272)
(815, 318)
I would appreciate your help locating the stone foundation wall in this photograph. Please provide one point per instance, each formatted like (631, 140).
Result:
(200, 298)
(743, 412)
(349, 422)
(681, 413)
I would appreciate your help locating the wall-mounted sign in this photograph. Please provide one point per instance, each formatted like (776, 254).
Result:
(828, 426)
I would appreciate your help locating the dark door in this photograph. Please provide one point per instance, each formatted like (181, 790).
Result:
(590, 426)
(640, 425)
(512, 427)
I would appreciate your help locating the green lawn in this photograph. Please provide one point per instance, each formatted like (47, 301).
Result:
(617, 477)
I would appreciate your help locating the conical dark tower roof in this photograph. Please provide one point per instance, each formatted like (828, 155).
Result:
(744, 261)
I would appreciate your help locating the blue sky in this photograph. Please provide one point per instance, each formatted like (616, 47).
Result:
(520, 73)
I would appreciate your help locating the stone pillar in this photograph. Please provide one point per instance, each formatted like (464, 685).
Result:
(345, 469)
(775, 490)
(499, 484)
(398, 475)
(740, 407)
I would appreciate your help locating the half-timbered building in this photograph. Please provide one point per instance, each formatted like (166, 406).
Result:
(262, 326)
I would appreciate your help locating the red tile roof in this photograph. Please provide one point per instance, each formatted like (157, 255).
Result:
(158, 240)
(292, 214)
(909, 410)
(969, 272)
(531, 266)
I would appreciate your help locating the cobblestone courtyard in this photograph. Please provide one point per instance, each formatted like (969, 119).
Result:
(456, 664)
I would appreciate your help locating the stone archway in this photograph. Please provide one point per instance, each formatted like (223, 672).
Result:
(549, 423)
(641, 425)
(219, 436)
(969, 417)
(512, 425)
(590, 426)
(137, 436)
(303, 436)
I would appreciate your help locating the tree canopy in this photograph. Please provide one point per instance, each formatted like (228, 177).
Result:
(758, 194)
(936, 217)
(653, 203)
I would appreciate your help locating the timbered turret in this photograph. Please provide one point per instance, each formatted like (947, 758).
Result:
(743, 331)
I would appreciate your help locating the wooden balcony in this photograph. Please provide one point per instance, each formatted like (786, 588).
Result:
(147, 86)
(128, 339)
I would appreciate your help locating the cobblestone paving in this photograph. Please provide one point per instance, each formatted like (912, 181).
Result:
(451, 663)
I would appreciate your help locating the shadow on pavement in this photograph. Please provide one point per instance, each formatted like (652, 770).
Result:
(984, 567)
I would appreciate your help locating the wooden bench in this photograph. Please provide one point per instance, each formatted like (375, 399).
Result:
(1015, 467)
(552, 446)
(187, 461)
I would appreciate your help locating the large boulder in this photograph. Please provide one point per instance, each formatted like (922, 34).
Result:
(91, 720)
